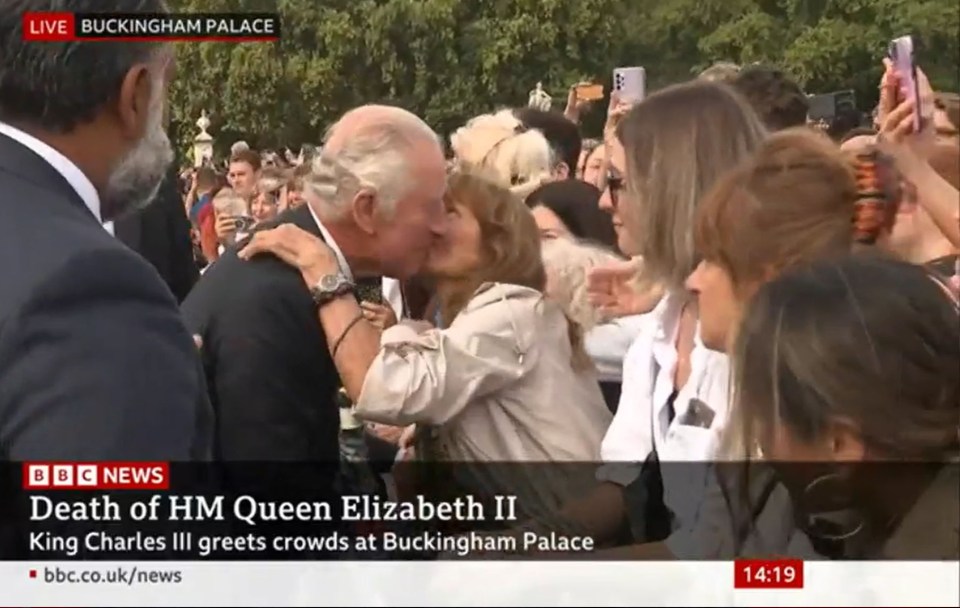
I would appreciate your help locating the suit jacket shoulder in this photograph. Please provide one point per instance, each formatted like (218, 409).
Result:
(272, 382)
(88, 333)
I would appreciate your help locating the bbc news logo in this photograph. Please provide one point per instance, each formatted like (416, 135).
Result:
(139, 27)
(96, 476)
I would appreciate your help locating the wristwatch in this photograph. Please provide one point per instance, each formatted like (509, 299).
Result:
(331, 287)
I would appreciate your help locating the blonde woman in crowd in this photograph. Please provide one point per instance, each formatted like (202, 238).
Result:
(505, 379)
(499, 145)
(663, 184)
(668, 151)
(606, 340)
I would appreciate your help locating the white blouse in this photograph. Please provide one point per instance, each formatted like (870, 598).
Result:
(643, 423)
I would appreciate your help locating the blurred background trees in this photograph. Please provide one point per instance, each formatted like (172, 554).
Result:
(448, 60)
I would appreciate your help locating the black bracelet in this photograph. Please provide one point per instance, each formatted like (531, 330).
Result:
(336, 345)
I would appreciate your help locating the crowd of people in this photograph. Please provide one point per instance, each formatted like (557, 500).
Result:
(716, 280)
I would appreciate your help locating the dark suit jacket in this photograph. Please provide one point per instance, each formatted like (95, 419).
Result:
(272, 381)
(161, 234)
(95, 362)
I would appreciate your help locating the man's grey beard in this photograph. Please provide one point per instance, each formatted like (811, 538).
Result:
(135, 180)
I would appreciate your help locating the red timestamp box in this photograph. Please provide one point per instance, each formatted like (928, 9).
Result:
(768, 574)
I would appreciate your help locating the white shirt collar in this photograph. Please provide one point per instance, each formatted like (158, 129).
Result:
(66, 167)
(341, 260)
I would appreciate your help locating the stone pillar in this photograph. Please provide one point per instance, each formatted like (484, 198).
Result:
(203, 142)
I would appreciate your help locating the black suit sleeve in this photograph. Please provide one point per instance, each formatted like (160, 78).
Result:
(97, 365)
(269, 374)
(183, 269)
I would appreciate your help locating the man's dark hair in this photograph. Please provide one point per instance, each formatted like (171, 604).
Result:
(58, 85)
(777, 99)
(562, 134)
(250, 157)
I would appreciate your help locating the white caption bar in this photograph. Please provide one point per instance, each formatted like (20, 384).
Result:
(466, 584)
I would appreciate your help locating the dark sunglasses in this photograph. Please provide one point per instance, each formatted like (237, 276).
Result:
(612, 181)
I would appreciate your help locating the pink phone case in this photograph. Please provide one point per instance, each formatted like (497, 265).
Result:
(901, 53)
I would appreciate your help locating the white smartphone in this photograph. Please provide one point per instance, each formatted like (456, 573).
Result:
(630, 84)
(901, 53)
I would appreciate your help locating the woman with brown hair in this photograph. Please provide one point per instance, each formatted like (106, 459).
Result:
(505, 379)
(798, 199)
(848, 388)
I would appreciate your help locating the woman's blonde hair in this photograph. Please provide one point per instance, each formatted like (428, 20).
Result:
(509, 241)
(499, 145)
(678, 142)
(567, 262)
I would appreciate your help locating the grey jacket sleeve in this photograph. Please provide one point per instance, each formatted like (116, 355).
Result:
(97, 365)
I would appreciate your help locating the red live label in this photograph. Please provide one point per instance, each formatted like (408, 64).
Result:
(96, 475)
(48, 27)
(768, 574)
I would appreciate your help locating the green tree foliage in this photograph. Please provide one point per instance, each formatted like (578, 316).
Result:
(448, 60)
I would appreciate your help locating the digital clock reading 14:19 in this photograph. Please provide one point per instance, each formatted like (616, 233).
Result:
(768, 574)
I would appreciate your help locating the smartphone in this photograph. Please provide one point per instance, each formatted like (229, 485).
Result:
(589, 92)
(901, 53)
(630, 84)
(244, 223)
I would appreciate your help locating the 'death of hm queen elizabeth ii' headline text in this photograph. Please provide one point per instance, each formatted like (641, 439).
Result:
(259, 519)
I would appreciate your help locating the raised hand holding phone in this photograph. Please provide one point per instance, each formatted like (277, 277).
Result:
(897, 118)
(579, 97)
(615, 112)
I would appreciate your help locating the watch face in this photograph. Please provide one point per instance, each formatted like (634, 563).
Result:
(330, 282)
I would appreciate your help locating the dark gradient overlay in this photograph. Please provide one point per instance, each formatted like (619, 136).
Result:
(740, 510)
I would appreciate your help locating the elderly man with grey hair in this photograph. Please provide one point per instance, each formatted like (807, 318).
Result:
(375, 198)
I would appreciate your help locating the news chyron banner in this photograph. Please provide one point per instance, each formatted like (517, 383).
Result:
(133, 27)
(119, 511)
(139, 533)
